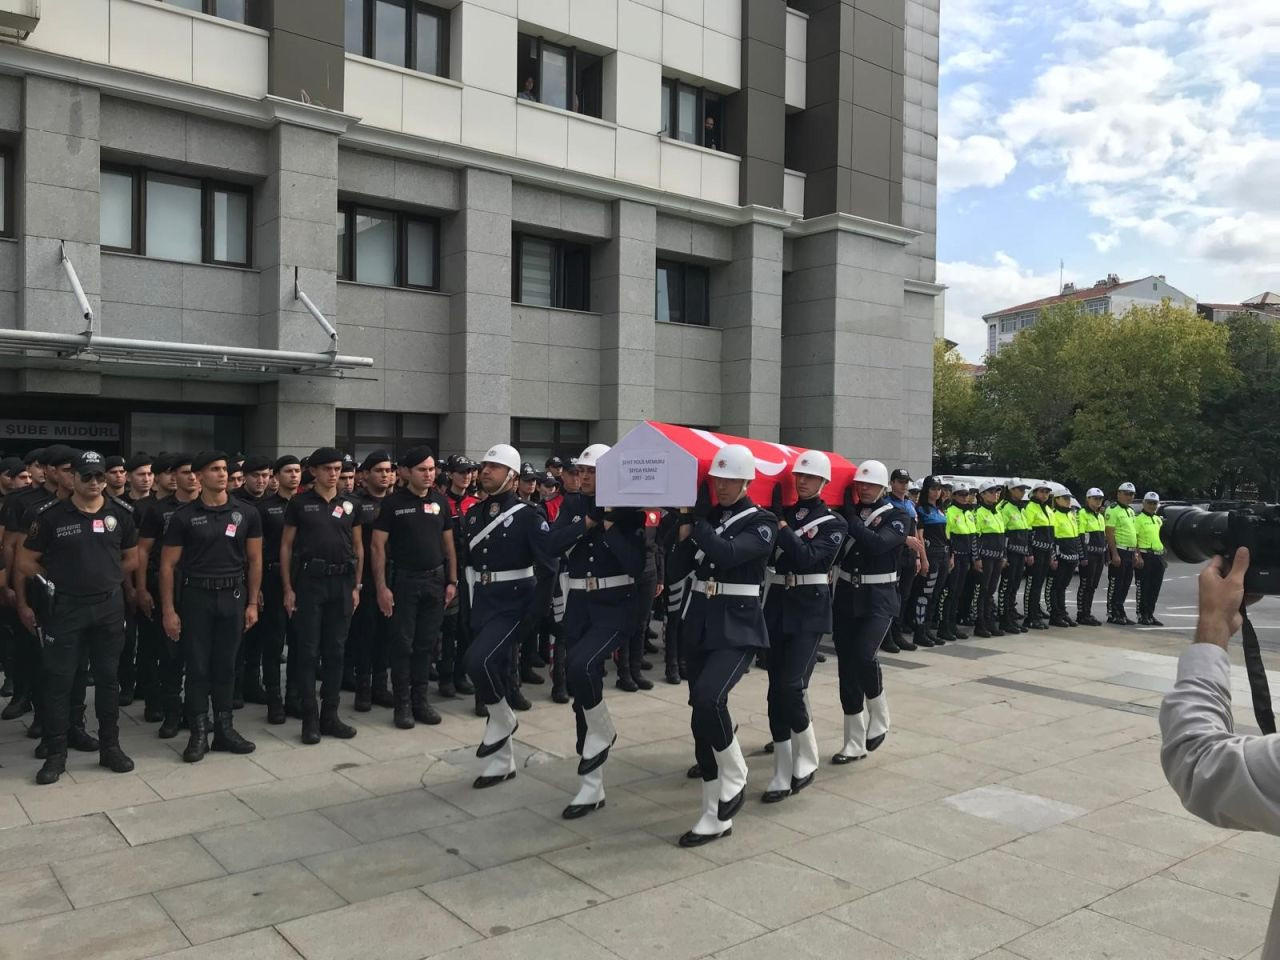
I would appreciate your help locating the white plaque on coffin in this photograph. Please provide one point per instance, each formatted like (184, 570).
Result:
(647, 469)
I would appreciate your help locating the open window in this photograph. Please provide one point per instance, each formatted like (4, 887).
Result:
(559, 76)
(692, 115)
(404, 33)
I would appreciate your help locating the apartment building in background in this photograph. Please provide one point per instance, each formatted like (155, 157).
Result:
(1111, 295)
(543, 220)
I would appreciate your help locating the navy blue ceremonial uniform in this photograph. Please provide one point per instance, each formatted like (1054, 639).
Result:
(724, 618)
(866, 600)
(798, 607)
(505, 569)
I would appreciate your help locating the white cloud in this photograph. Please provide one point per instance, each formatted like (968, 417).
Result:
(974, 289)
(977, 160)
(1102, 242)
(972, 60)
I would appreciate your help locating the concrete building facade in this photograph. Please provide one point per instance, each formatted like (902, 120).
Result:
(543, 220)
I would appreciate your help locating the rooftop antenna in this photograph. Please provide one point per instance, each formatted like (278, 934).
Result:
(1061, 266)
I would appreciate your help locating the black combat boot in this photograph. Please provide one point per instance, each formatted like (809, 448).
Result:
(55, 764)
(423, 711)
(198, 742)
(363, 701)
(172, 721)
(402, 716)
(310, 724)
(78, 737)
(109, 753)
(332, 726)
(625, 681)
(381, 693)
(226, 739)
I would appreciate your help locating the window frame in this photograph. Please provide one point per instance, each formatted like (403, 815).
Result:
(8, 222)
(571, 74)
(682, 267)
(671, 87)
(558, 445)
(347, 438)
(208, 187)
(210, 9)
(560, 247)
(412, 8)
(401, 218)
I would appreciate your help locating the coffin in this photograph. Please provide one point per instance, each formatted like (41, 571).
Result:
(661, 464)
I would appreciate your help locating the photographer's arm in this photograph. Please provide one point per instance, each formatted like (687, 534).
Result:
(1229, 780)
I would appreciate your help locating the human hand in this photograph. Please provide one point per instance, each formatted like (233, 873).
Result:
(450, 594)
(387, 600)
(250, 616)
(28, 618)
(172, 626)
(1137, 561)
(146, 604)
(1221, 596)
(290, 602)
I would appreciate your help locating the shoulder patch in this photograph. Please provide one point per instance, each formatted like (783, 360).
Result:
(899, 526)
(545, 527)
(766, 533)
(837, 538)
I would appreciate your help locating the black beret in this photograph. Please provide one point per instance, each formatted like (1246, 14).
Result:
(179, 460)
(324, 455)
(255, 462)
(12, 466)
(114, 461)
(416, 456)
(34, 456)
(375, 458)
(57, 455)
(139, 460)
(206, 457)
(288, 460)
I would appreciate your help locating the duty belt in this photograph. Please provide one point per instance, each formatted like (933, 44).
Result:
(501, 576)
(865, 579)
(713, 588)
(591, 584)
(322, 568)
(213, 583)
(789, 580)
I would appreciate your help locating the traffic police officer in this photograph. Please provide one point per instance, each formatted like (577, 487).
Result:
(963, 540)
(1122, 545)
(321, 552)
(415, 572)
(866, 602)
(991, 558)
(604, 554)
(1093, 535)
(911, 558)
(1017, 531)
(370, 640)
(1039, 517)
(273, 624)
(1066, 556)
(217, 539)
(509, 571)
(1150, 571)
(81, 547)
(797, 611)
(727, 550)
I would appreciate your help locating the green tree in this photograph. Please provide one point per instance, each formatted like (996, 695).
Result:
(1244, 419)
(955, 405)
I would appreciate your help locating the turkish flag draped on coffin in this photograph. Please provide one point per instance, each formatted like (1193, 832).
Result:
(661, 464)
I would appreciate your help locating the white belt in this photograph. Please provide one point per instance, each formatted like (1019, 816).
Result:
(789, 580)
(501, 576)
(601, 583)
(713, 588)
(862, 579)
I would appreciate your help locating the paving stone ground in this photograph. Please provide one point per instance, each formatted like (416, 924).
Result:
(1016, 810)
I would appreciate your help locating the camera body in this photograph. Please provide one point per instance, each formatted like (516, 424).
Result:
(1194, 534)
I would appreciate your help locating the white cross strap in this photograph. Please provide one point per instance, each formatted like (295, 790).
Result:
(479, 537)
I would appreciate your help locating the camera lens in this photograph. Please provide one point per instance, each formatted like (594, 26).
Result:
(1194, 535)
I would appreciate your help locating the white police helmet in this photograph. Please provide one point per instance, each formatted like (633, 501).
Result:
(989, 484)
(1151, 497)
(589, 456)
(1127, 488)
(1016, 483)
(1094, 492)
(815, 463)
(873, 472)
(733, 461)
(504, 455)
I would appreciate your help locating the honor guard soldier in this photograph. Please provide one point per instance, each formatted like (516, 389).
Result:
(990, 559)
(370, 640)
(456, 629)
(604, 553)
(1017, 531)
(866, 602)
(1122, 547)
(509, 571)
(415, 572)
(1150, 563)
(1039, 517)
(273, 624)
(321, 552)
(210, 576)
(152, 640)
(77, 553)
(797, 611)
(727, 549)
(1093, 534)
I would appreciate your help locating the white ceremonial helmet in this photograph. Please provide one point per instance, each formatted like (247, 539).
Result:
(1058, 490)
(593, 453)
(503, 454)
(733, 462)
(873, 472)
(991, 483)
(1095, 492)
(815, 463)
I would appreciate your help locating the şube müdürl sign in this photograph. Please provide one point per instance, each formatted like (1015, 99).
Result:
(58, 431)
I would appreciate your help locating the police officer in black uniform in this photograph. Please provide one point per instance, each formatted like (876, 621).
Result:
(249, 689)
(79, 551)
(727, 549)
(170, 660)
(604, 553)
(370, 640)
(215, 541)
(798, 612)
(273, 625)
(23, 663)
(415, 574)
(866, 602)
(320, 553)
(509, 571)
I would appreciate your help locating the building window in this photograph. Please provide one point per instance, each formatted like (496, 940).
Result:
(683, 293)
(991, 338)
(6, 193)
(360, 432)
(174, 218)
(1008, 324)
(405, 33)
(692, 115)
(387, 247)
(1027, 321)
(551, 273)
(559, 76)
(538, 440)
(226, 9)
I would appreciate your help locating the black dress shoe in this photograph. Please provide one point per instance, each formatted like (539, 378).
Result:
(575, 811)
(1155, 622)
(982, 632)
(774, 796)
(15, 708)
(275, 713)
(482, 783)
(518, 700)
(840, 759)
(1129, 621)
(465, 687)
(799, 783)
(888, 646)
(448, 691)
(528, 676)
(692, 839)
(626, 684)
(694, 772)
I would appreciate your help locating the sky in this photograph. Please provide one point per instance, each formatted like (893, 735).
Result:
(1133, 137)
